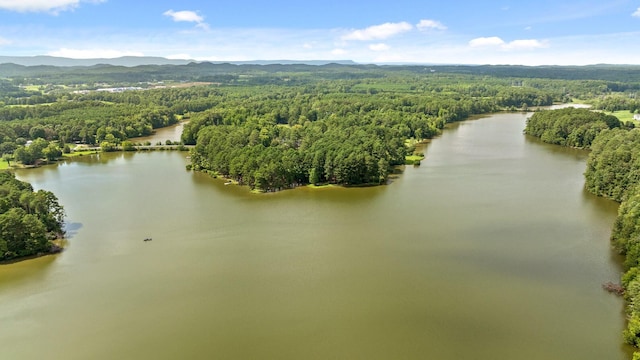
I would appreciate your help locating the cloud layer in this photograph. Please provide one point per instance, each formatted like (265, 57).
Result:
(494, 41)
(53, 6)
(379, 32)
(379, 47)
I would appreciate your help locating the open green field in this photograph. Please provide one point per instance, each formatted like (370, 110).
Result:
(79, 153)
(623, 115)
(32, 87)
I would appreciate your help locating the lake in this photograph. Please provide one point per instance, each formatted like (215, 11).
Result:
(491, 249)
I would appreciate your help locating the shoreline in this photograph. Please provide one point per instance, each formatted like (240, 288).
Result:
(57, 247)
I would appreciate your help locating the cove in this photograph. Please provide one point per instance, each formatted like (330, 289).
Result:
(489, 250)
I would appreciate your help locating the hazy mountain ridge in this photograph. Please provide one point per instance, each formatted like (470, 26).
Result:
(128, 70)
(132, 61)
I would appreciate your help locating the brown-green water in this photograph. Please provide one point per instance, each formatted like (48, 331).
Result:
(489, 250)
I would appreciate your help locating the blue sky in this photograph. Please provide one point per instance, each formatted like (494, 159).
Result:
(543, 32)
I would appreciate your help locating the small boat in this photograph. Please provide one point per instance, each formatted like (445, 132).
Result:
(147, 239)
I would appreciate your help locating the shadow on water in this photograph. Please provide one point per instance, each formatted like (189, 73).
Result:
(577, 154)
(71, 229)
(352, 195)
(601, 209)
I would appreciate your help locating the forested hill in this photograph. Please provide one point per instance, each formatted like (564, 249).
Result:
(228, 72)
(622, 73)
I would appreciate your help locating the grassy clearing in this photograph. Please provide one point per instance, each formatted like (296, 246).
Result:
(321, 186)
(32, 87)
(26, 106)
(80, 153)
(413, 159)
(623, 115)
(382, 87)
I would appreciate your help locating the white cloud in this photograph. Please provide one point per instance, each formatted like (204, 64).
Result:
(637, 13)
(338, 51)
(426, 24)
(4, 41)
(378, 32)
(379, 47)
(93, 53)
(525, 44)
(494, 41)
(187, 16)
(486, 41)
(53, 6)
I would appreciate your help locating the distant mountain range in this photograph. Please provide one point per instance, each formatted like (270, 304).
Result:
(131, 61)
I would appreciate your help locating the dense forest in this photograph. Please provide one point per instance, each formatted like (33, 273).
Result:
(290, 124)
(619, 77)
(613, 171)
(29, 220)
(339, 124)
(570, 127)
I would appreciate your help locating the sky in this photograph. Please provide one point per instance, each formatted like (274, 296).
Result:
(517, 32)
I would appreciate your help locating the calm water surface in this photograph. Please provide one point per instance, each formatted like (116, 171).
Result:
(489, 250)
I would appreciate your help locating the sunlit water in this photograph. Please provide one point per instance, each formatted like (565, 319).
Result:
(489, 250)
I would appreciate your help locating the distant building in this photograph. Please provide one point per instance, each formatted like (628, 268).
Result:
(636, 116)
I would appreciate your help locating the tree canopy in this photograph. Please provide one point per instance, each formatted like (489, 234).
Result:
(28, 220)
(569, 127)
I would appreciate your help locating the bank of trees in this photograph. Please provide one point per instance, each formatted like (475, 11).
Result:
(617, 102)
(613, 170)
(569, 127)
(28, 220)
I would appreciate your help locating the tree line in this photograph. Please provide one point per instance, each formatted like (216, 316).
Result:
(613, 171)
(570, 127)
(29, 220)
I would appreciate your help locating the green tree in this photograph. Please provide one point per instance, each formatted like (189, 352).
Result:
(7, 158)
(128, 146)
(52, 152)
(107, 146)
